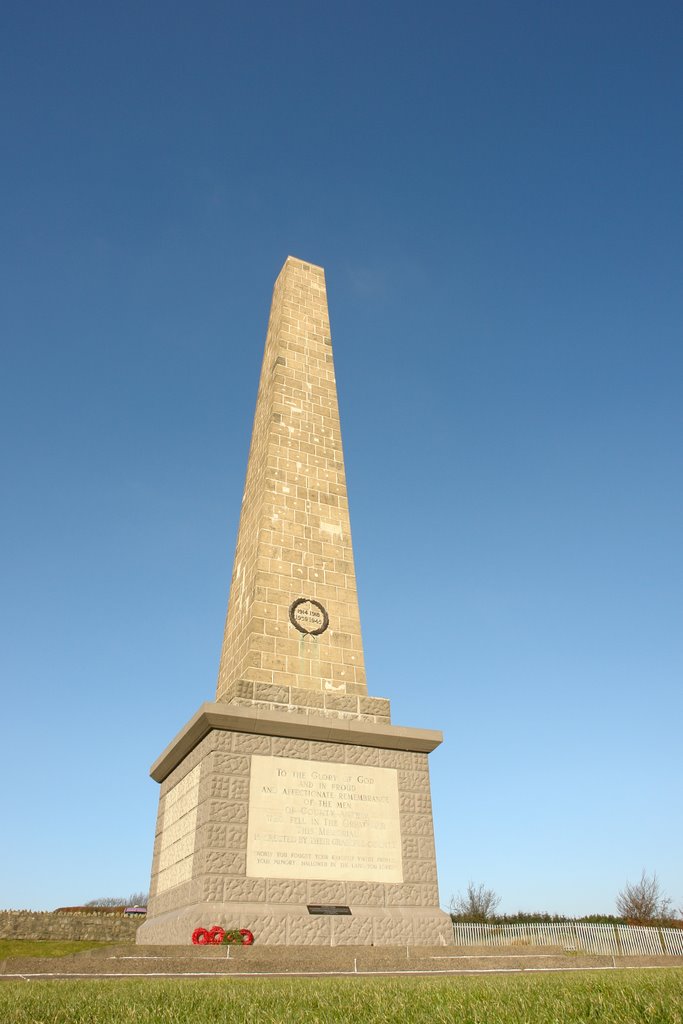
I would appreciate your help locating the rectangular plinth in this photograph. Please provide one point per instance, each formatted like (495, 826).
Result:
(285, 822)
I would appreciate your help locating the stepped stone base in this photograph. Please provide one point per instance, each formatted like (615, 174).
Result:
(293, 925)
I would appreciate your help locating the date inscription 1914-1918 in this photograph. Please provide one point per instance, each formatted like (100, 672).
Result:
(308, 616)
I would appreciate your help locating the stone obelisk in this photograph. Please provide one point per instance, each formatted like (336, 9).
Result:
(291, 806)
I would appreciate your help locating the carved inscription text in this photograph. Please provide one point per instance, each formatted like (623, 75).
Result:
(314, 819)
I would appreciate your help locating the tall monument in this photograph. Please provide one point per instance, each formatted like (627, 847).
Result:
(292, 806)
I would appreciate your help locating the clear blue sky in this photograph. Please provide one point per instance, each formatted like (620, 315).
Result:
(494, 190)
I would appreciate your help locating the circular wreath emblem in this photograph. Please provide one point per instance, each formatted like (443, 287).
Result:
(200, 937)
(307, 621)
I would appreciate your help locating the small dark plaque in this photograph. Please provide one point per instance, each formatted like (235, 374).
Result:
(308, 616)
(315, 909)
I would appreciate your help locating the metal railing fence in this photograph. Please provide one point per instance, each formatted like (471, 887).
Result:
(617, 939)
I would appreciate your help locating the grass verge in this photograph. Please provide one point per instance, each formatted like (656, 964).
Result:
(619, 997)
(45, 947)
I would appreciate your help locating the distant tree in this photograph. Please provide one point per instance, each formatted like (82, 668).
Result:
(477, 904)
(136, 899)
(643, 900)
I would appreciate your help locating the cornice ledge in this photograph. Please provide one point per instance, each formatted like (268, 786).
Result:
(265, 722)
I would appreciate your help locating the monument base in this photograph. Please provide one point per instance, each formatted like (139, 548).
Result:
(295, 926)
(303, 828)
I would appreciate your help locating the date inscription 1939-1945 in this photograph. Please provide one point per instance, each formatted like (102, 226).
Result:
(308, 616)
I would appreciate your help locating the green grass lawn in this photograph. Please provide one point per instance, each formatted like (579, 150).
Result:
(45, 947)
(619, 997)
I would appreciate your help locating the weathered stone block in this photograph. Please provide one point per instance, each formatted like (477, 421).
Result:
(213, 888)
(362, 755)
(396, 759)
(351, 931)
(341, 702)
(375, 706)
(223, 862)
(413, 780)
(248, 743)
(365, 894)
(308, 698)
(416, 824)
(285, 747)
(245, 890)
(327, 751)
(229, 811)
(327, 893)
(410, 846)
(307, 930)
(415, 803)
(234, 764)
(285, 890)
(275, 694)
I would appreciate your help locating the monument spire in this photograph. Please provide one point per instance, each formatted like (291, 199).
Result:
(293, 624)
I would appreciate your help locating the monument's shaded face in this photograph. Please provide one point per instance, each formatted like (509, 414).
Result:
(291, 806)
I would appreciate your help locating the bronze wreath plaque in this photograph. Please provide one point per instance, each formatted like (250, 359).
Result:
(308, 616)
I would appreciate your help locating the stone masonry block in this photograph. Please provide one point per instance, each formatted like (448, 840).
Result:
(351, 931)
(365, 894)
(417, 824)
(213, 888)
(412, 894)
(340, 702)
(396, 759)
(243, 688)
(285, 890)
(233, 764)
(415, 803)
(219, 785)
(245, 890)
(411, 848)
(224, 862)
(418, 781)
(327, 751)
(425, 847)
(307, 930)
(243, 743)
(391, 931)
(217, 811)
(362, 755)
(308, 698)
(236, 837)
(274, 694)
(221, 740)
(285, 747)
(327, 893)
(375, 706)
(212, 837)
(419, 871)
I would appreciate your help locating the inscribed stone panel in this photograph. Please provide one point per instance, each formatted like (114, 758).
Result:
(321, 820)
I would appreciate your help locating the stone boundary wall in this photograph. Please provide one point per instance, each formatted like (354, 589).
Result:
(45, 924)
